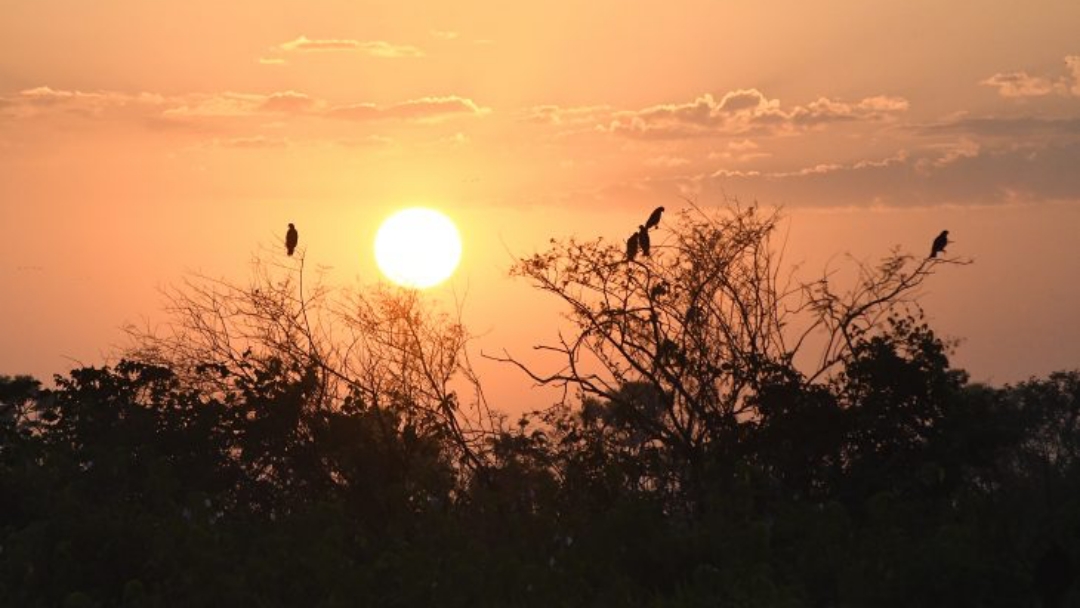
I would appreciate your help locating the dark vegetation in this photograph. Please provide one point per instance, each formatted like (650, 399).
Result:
(277, 446)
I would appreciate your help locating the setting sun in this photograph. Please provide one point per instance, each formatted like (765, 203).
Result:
(417, 247)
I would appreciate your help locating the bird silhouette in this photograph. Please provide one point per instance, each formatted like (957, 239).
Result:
(654, 218)
(643, 240)
(291, 238)
(939, 243)
(658, 290)
(632, 247)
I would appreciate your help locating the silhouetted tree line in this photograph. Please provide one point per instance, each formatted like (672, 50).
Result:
(700, 465)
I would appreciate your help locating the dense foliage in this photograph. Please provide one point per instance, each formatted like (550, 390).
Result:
(250, 479)
(901, 485)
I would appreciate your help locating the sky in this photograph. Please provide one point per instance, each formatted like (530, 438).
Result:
(140, 141)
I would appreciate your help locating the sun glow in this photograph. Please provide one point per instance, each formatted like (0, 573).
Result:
(417, 247)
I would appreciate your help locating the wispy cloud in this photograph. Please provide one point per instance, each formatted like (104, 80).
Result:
(257, 142)
(963, 173)
(1019, 84)
(239, 104)
(736, 113)
(105, 104)
(1072, 63)
(1026, 128)
(288, 102)
(566, 116)
(374, 48)
(1022, 84)
(423, 109)
(227, 105)
(95, 104)
(666, 161)
(445, 34)
(899, 158)
(748, 111)
(950, 175)
(740, 151)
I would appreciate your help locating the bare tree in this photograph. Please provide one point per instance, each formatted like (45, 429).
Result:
(381, 346)
(705, 321)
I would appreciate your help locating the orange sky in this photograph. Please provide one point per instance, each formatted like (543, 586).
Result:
(141, 139)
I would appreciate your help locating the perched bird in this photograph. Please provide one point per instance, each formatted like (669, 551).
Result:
(654, 219)
(658, 290)
(643, 240)
(939, 243)
(631, 247)
(291, 238)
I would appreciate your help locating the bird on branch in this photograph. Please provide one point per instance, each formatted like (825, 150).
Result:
(643, 240)
(939, 243)
(654, 218)
(658, 290)
(291, 238)
(632, 247)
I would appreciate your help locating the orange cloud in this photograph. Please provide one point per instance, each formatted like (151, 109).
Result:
(252, 143)
(667, 161)
(423, 109)
(748, 111)
(557, 115)
(1019, 84)
(374, 48)
(288, 102)
(961, 173)
(741, 151)
(1028, 128)
(226, 105)
(40, 100)
(1022, 84)
(1072, 62)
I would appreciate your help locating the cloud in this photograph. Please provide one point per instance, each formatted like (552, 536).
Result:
(1072, 62)
(562, 116)
(370, 141)
(193, 110)
(899, 158)
(228, 104)
(114, 104)
(1021, 84)
(1023, 127)
(374, 48)
(445, 34)
(666, 161)
(42, 100)
(257, 142)
(963, 173)
(740, 151)
(423, 109)
(288, 102)
(748, 111)
(272, 61)
(949, 153)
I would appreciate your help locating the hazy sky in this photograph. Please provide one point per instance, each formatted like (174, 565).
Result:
(141, 139)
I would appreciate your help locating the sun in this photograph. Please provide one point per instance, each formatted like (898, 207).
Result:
(417, 247)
